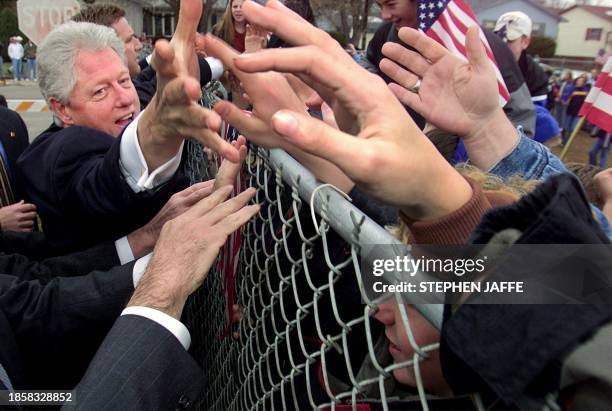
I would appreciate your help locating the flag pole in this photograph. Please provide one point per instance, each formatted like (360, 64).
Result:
(571, 139)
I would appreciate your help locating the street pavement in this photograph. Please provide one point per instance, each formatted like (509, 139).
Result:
(26, 99)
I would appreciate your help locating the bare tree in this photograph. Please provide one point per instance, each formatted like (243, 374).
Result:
(350, 17)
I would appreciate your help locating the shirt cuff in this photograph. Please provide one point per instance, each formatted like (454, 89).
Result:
(216, 67)
(176, 327)
(140, 266)
(124, 251)
(134, 166)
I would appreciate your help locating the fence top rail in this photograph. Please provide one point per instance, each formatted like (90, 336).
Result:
(349, 222)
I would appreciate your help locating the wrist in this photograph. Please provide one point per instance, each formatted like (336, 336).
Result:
(158, 291)
(141, 242)
(449, 193)
(491, 141)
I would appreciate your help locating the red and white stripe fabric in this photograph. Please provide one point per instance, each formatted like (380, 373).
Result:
(597, 108)
(447, 23)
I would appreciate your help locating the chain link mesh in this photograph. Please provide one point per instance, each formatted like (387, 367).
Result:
(307, 338)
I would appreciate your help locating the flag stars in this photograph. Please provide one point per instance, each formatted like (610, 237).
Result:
(431, 15)
(440, 4)
(422, 6)
(432, 5)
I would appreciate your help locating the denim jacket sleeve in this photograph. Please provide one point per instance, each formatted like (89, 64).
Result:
(534, 161)
(530, 160)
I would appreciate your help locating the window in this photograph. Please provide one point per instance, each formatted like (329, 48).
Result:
(490, 24)
(593, 34)
(538, 30)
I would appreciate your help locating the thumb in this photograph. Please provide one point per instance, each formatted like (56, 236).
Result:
(317, 138)
(476, 53)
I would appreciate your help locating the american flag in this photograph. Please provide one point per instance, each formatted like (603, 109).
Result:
(447, 22)
(597, 107)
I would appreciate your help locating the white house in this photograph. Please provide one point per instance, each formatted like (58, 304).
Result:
(586, 33)
(153, 17)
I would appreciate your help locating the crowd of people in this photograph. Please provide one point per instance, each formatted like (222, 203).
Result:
(104, 241)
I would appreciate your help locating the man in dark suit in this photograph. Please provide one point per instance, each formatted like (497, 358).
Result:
(141, 72)
(88, 185)
(14, 214)
(48, 329)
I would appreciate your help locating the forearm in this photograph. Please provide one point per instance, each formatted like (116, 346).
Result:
(491, 142)
(157, 291)
(444, 192)
(156, 151)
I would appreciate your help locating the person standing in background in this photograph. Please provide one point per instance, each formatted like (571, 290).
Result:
(15, 52)
(30, 55)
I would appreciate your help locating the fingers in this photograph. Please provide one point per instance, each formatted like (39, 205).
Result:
(476, 53)
(398, 73)
(163, 58)
(407, 97)
(27, 216)
(190, 12)
(24, 207)
(314, 66)
(218, 48)
(316, 137)
(246, 124)
(411, 60)
(236, 220)
(198, 195)
(205, 205)
(196, 187)
(182, 90)
(426, 46)
(230, 206)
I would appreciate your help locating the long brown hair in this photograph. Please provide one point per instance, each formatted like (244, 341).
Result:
(224, 29)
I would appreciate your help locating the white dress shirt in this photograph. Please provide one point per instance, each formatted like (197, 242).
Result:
(137, 175)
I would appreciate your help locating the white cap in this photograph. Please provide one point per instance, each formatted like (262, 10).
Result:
(511, 26)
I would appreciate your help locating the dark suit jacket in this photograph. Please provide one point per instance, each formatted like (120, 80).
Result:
(73, 176)
(146, 82)
(14, 139)
(102, 257)
(140, 366)
(51, 331)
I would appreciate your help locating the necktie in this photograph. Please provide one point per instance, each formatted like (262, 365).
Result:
(6, 193)
(4, 378)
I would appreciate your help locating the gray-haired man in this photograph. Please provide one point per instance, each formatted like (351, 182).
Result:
(100, 175)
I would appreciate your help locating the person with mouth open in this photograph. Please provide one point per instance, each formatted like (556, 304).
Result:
(105, 168)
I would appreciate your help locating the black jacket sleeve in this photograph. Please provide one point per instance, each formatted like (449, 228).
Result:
(146, 82)
(58, 325)
(102, 257)
(140, 366)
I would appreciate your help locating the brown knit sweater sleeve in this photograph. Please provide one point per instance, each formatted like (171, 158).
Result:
(455, 228)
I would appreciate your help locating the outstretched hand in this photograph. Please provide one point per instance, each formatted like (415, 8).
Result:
(391, 158)
(455, 95)
(173, 113)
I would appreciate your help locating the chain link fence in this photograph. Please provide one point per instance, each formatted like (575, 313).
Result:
(307, 338)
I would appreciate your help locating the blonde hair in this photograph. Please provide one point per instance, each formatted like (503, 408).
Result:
(515, 187)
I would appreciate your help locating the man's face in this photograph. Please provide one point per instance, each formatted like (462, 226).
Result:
(131, 43)
(103, 97)
(517, 46)
(402, 13)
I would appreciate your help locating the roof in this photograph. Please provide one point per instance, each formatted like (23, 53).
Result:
(482, 5)
(600, 11)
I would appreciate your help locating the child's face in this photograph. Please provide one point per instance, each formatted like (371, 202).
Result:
(401, 350)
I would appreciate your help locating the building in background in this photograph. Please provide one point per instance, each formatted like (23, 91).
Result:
(155, 18)
(545, 21)
(586, 33)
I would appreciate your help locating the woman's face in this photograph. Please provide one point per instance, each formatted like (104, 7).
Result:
(237, 11)
(401, 350)
(580, 81)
